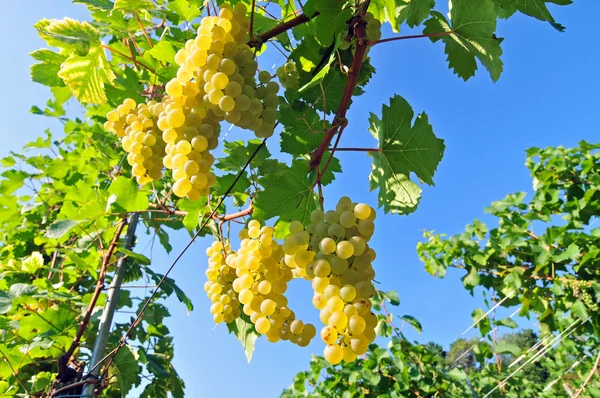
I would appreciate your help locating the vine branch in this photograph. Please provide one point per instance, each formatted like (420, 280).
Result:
(340, 122)
(279, 29)
(64, 359)
(589, 377)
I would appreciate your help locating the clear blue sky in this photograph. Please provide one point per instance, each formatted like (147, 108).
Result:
(547, 95)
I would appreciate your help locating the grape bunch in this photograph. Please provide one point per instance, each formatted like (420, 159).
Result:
(255, 277)
(333, 252)
(140, 138)
(288, 75)
(583, 291)
(373, 28)
(216, 80)
(225, 305)
(223, 68)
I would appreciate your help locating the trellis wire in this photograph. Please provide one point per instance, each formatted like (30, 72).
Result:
(539, 354)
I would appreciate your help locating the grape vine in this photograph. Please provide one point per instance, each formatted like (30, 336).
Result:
(159, 82)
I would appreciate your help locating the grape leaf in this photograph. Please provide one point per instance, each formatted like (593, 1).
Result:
(503, 347)
(58, 228)
(86, 75)
(239, 189)
(133, 5)
(186, 10)
(534, 8)
(303, 128)
(128, 369)
(68, 34)
(332, 18)
(412, 321)
(163, 51)
(414, 12)
(126, 195)
(239, 153)
(104, 5)
(471, 35)
(5, 302)
(286, 195)
(46, 72)
(244, 330)
(402, 149)
(387, 11)
(195, 209)
(327, 96)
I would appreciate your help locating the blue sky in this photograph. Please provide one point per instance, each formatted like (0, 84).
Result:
(546, 96)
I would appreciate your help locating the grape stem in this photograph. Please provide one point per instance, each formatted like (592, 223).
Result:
(340, 121)
(357, 149)
(251, 28)
(181, 213)
(65, 358)
(439, 34)
(135, 61)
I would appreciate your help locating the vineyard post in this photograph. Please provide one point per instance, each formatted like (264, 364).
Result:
(110, 307)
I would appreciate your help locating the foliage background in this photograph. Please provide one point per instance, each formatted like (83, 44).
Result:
(546, 97)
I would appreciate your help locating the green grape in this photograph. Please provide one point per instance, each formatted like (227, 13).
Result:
(264, 77)
(333, 353)
(329, 335)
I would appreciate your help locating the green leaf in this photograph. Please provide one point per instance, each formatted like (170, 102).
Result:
(128, 369)
(571, 253)
(169, 287)
(412, 321)
(68, 34)
(104, 5)
(457, 374)
(126, 196)
(186, 10)
(195, 209)
(86, 75)
(508, 322)
(239, 152)
(288, 195)
(580, 310)
(471, 36)
(387, 11)
(392, 297)
(332, 18)
(263, 24)
(244, 330)
(534, 8)
(5, 302)
(163, 51)
(41, 381)
(402, 149)
(59, 228)
(303, 128)
(46, 72)
(133, 5)
(414, 12)
(133, 256)
(503, 347)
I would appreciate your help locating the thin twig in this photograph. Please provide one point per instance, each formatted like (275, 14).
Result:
(357, 149)
(112, 50)
(279, 29)
(589, 377)
(413, 37)
(143, 29)
(14, 372)
(70, 386)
